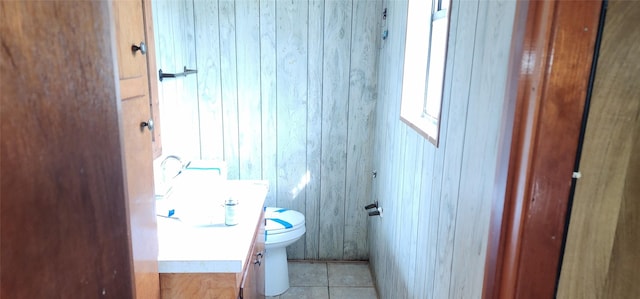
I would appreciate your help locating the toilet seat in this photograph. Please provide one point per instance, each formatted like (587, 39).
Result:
(283, 227)
(279, 221)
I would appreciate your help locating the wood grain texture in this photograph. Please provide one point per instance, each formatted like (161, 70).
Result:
(268, 97)
(63, 209)
(335, 109)
(561, 106)
(315, 43)
(178, 101)
(388, 83)
(503, 253)
(383, 230)
(361, 118)
(622, 275)
(200, 285)
(209, 81)
(601, 251)
(480, 157)
(187, 100)
(433, 198)
(249, 105)
(291, 64)
(229, 84)
(142, 216)
(128, 33)
(467, 71)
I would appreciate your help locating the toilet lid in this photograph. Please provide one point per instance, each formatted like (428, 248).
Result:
(280, 220)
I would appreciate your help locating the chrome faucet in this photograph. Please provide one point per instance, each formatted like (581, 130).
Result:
(163, 165)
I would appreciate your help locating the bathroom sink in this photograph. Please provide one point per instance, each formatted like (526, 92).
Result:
(196, 197)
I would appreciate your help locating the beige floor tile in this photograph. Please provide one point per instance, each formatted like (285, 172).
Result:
(306, 293)
(349, 275)
(352, 293)
(308, 274)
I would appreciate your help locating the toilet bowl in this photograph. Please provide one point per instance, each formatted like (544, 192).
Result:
(283, 228)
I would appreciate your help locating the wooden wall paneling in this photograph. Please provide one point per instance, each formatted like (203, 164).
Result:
(392, 202)
(268, 97)
(249, 105)
(432, 170)
(390, 81)
(362, 99)
(167, 89)
(397, 209)
(455, 89)
(375, 235)
(400, 205)
(603, 195)
(207, 41)
(479, 162)
(292, 109)
(335, 93)
(229, 84)
(220, 68)
(463, 75)
(314, 127)
(427, 225)
(411, 197)
(177, 104)
(188, 86)
(63, 206)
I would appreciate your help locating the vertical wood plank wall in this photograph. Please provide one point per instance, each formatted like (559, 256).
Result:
(285, 91)
(432, 239)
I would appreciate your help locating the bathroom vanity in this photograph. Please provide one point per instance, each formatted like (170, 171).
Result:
(209, 259)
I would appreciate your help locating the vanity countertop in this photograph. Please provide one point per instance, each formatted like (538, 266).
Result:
(214, 247)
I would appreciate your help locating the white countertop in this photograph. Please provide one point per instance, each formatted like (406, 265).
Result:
(186, 246)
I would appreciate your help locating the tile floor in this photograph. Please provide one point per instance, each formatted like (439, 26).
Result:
(330, 280)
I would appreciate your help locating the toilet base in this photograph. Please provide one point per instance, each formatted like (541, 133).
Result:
(276, 271)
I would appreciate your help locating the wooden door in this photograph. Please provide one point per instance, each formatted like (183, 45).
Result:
(602, 255)
(550, 67)
(134, 92)
(63, 213)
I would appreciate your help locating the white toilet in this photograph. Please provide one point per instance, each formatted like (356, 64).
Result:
(283, 228)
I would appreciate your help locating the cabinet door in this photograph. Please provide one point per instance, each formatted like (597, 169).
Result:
(252, 286)
(134, 92)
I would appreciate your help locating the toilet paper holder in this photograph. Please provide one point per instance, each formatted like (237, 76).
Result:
(377, 209)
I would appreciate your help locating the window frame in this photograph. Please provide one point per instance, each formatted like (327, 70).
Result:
(419, 93)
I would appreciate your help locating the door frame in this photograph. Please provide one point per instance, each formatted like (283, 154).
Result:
(552, 51)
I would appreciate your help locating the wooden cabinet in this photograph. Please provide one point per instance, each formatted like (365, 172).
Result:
(248, 284)
(252, 285)
(134, 44)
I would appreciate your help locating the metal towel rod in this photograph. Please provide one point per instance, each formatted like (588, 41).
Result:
(183, 74)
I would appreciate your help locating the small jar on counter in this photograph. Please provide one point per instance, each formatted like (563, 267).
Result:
(231, 212)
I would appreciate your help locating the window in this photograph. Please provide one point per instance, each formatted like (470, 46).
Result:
(424, 63)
